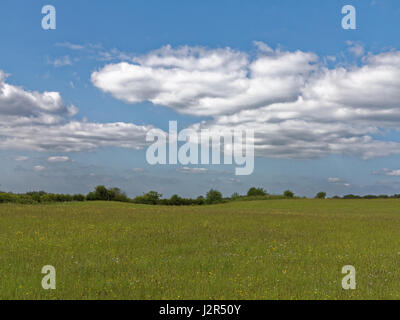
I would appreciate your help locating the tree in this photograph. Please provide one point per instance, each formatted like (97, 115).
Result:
(235, 195)
(200, 201)
(115, 194)
(213, 196)
(176, 200)
(288, 194)
(78, 197)
(101, 193)
(320, 195)
(104, 194)
(91, 196)
(35, 196)
(351, 196)
(152, 197)
(256, 192)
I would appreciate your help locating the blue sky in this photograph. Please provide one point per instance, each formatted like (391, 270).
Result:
(92, 36)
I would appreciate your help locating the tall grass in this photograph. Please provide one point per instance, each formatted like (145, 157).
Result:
(278, 249)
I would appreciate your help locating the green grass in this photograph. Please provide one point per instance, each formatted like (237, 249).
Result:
(275, 249)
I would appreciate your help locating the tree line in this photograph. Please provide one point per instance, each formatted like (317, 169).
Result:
(101, 193)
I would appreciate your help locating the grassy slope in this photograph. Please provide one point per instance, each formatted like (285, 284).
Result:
(277, 249)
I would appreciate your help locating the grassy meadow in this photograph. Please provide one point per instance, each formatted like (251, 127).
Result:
(275, 249)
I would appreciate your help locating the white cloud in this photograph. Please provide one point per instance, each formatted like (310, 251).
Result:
(192, 170)
(90, 51)
(297, 107)
(71, 46)
(30, 120)
(58, 159)
(22, 158)
(61, 61)
(338, 181)
(197, 81)
(74, 136)
(39, 168)
(21, 106)
(357, 49)
(393, 173)
(233, 180)
(113, 54)
(387, 172)
(263, 47)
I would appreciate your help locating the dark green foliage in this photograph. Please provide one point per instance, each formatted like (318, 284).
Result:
(235, 196)
(16, 198)
(78, 197)
(91, 196)
(200, 201)
(370, 196)
(38, 197)
(101, 193)
(104, 194)
(115, 194)
(151, 197)
(320, 195)
(176, 200)
(213, 196)
(288, 194)
(256, 192)
(351, 196)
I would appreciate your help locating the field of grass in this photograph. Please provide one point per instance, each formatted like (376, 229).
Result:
(276, 249)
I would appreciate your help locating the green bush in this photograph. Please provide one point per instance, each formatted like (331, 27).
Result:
(151, 197)
(213, 196)
(103, 194)
(78, 197)
(320, 195)
(288, 194)
(256, 192)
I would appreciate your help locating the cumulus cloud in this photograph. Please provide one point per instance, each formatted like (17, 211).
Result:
(198, 81)
(192, 170)
(20, 106)
(74, 136)
(61, 61)
(395, 173)
(58, 159)
(21, 158)
(297, 106)
(31, 120)
(39, 168)
(338, 181)
(71, 46)
(388, 172)
(91, 51)
(356, 48)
